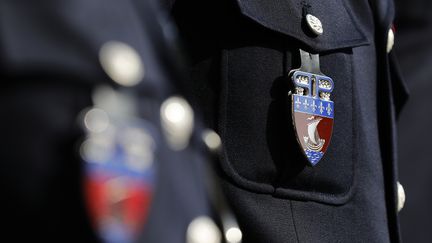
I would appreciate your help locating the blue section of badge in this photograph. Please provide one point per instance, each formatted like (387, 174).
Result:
(314, 156)
(115, 232)
(129, 149)
(117, 165)
(313, 106)
(119, 169)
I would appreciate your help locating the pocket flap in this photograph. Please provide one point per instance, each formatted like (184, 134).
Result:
(286, 16)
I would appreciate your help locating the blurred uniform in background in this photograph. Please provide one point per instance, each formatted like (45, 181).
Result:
(414, 50)
(243, 55)
(96, 142)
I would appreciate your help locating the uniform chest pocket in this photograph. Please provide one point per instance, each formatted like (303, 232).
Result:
(261, 151)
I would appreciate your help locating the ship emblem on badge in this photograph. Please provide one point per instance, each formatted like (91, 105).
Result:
(312, 109)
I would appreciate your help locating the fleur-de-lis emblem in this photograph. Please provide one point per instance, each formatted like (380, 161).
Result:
(321, 107)
(306, 104)
(329, 109)
(314, 107)
(298, 103)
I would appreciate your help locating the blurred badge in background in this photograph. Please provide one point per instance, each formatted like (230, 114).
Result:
(119, 151)
(141, 170)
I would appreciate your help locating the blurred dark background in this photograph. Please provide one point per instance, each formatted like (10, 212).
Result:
(413, 46)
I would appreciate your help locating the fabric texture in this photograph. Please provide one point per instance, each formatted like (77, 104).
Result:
(350, 195)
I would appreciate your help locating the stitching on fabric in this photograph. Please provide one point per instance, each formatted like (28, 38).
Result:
(353, 20)
(354, 119)
(293, 220)
(340, 44)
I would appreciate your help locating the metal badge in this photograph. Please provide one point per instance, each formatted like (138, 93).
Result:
(120, 152)
(312, 109)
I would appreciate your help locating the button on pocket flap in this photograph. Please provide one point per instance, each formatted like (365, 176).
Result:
(339, 27)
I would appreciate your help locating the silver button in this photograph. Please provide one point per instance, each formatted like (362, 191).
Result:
(203, 230)
(233, 235)
(177, 119)
(314, 24)
(390, 40)
(401, 197)
(211, 139)
(122, 63)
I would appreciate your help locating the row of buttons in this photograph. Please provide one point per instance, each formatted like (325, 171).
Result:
(316, 27)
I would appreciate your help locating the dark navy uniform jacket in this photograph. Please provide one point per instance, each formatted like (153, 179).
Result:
(49, 67)
(242, 52)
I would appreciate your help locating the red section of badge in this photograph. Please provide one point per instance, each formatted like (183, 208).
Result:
(117, 199)
(312, 129)
(137, 206)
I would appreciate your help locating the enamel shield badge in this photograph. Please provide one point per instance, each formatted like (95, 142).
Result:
(312, 109)
(119, 151)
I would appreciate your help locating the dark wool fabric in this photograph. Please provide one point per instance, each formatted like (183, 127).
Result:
(49, 68)
(242, 52)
